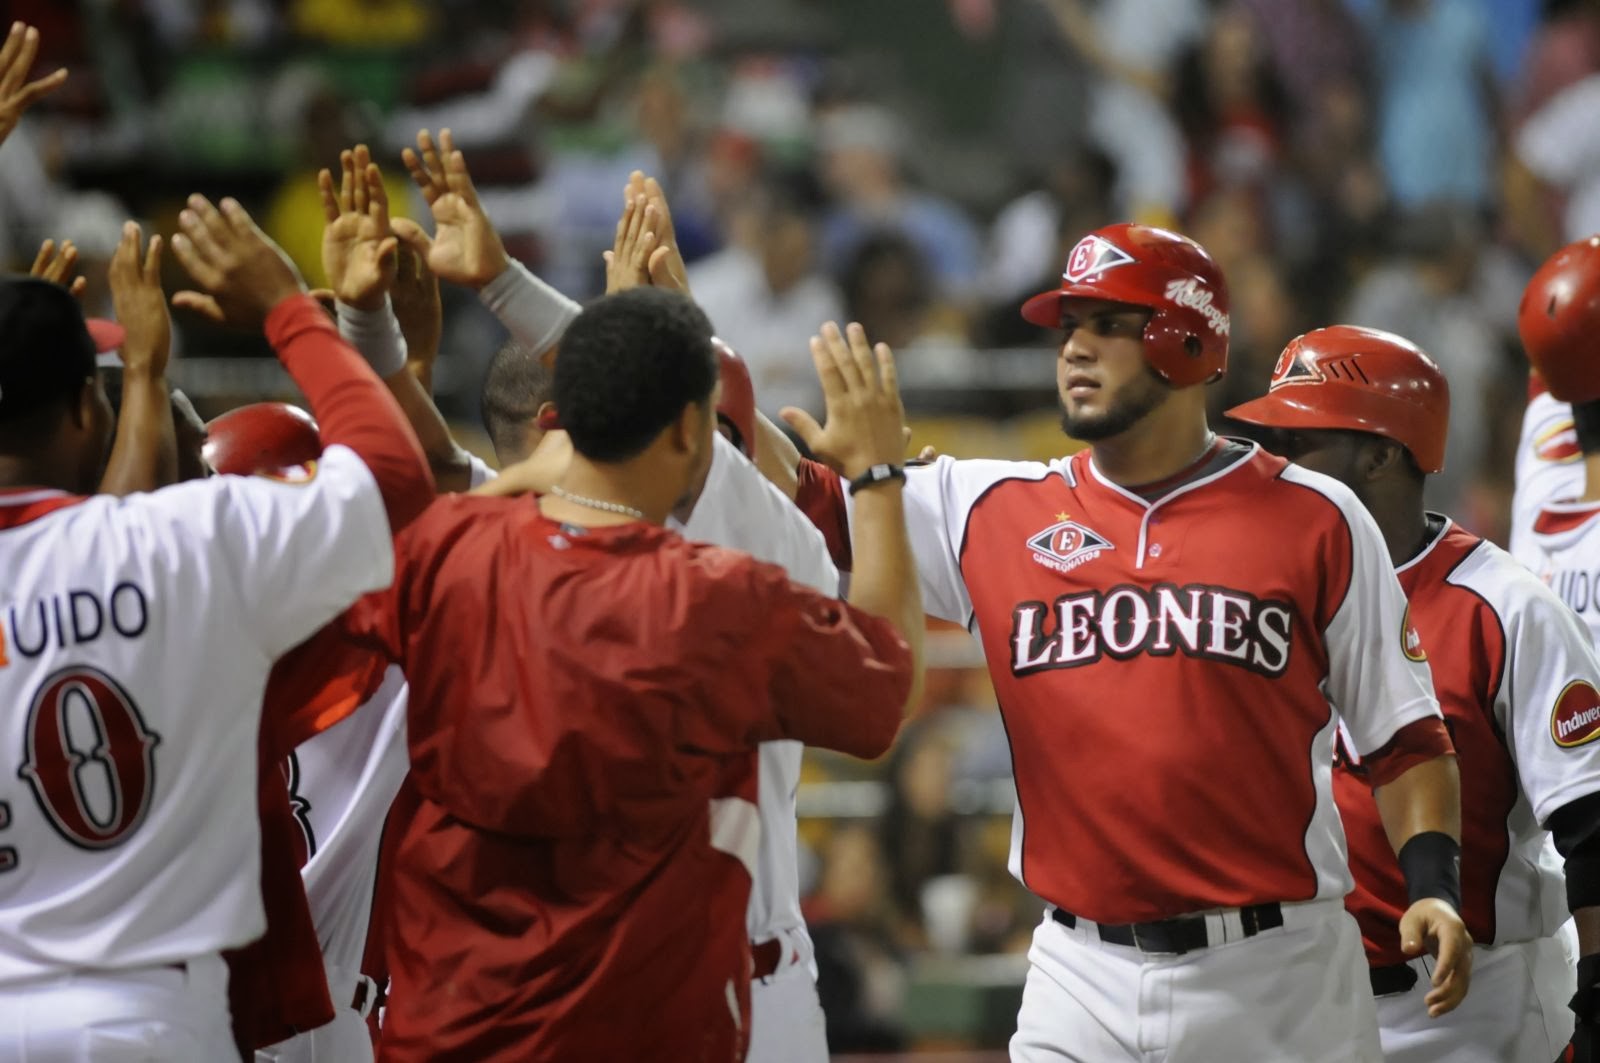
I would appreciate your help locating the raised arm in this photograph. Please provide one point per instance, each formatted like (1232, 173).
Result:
(145, 453)
(17, 93)
(363, 256)
(247, 281)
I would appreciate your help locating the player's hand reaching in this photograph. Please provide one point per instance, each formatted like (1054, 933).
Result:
(358, 247)
(140, 304)
(628, 261)
(17, 94)
(865, 419)
(59, 265)
(465, 248)
(667, 269)
(1434, 926)
(416, 301)
(243, 274)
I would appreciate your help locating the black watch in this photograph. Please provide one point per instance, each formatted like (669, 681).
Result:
(878, 474)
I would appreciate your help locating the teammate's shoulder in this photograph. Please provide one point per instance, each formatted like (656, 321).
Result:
(1319, 492)
(970, 477)
(1497, 577)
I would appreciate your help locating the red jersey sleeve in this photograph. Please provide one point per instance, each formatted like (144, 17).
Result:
(820, 496)
(833, 676)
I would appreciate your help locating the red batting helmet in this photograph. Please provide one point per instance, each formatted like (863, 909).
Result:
(1186, 340)
(1362, 380)
(1559, 321)
(264, 437)
(738, 407)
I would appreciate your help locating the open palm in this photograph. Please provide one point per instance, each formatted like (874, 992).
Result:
(358, 247)
(466, 249)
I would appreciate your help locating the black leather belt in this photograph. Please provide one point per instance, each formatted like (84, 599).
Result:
(1179, 935)
(1396, 979)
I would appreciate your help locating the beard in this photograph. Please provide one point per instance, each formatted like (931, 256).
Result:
(1130, 406)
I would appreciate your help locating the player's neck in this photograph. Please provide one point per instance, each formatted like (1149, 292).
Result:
(1157, 448)
(1401, 518)
(25, 472)
(593, 495)
(1591, 478)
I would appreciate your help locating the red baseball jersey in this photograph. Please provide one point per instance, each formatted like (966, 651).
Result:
(584, 712)
(1509, 664)
(1171, 673)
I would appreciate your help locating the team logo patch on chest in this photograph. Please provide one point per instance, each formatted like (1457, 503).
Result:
(1067, 544)
(1575, 721)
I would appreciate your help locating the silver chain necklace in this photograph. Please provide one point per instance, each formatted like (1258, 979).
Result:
(596, 503)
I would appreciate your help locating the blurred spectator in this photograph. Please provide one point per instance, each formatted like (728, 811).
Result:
(1230, 105)
(1074, 196)
(1564, 49)
(1557, 161)
(764, 293)
(1314, 45)
(1455, 297)
(1134, 44)
(366, 24)
(921, 834)
(858, 976)
(862, 148)
(1265, 317)
(1437, 98)
(887, 289)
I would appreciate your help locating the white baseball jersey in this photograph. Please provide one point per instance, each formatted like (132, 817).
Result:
(136, 636)
(741, 510)
(1549, 469)
(1204, 644)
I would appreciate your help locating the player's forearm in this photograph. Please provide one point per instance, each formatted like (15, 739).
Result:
(776, 456)
(145, 453)
(532, 311)
(352, 406)
(1426, 797)
(452, 471)
(884, 582)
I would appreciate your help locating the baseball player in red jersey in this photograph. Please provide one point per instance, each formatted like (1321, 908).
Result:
(585, 759)
(1176, 626)
(1557, 534)
(122, 884)
(1370, 409)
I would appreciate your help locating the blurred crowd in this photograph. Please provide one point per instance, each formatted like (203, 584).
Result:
(920, 166)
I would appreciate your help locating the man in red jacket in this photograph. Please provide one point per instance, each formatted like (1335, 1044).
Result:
(587, 693)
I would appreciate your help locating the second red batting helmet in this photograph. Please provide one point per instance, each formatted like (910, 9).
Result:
(1362, 380)
(1559, 321)
(1186, 340)
(264, 437)
(738, 406)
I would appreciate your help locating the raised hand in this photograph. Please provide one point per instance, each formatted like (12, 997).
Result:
(416, 301)
(628, 261)
(17, 94)
(140, 304)
(865, 419)
(465, 249)
(358, 247)
(59, 265)
(243, 274)
(667, 269)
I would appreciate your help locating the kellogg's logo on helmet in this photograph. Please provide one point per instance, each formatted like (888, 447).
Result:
(1094, 254)
(1196, 296)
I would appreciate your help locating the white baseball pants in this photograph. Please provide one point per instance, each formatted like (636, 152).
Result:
(1298, 993)
(1515, 1012)
(786, 1023)
(142, 1015)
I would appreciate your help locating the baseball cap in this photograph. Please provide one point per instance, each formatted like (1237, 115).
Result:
(46, 347)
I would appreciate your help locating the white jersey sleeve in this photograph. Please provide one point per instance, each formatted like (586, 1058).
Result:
(299, 551)
(1548, 703)
(1549, 468)
(478, 472)
(1378, 678)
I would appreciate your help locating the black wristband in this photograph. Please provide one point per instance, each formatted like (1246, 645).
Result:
(1431, 863)
(878, 474)
(1585, 1003)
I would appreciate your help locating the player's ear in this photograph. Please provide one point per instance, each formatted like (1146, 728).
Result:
(1380, 458)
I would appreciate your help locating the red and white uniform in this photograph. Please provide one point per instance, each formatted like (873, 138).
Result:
(741, 510)
(135, 643)
(1171, 675)
(1549, 468)
(1512, 668)
(587, 830)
